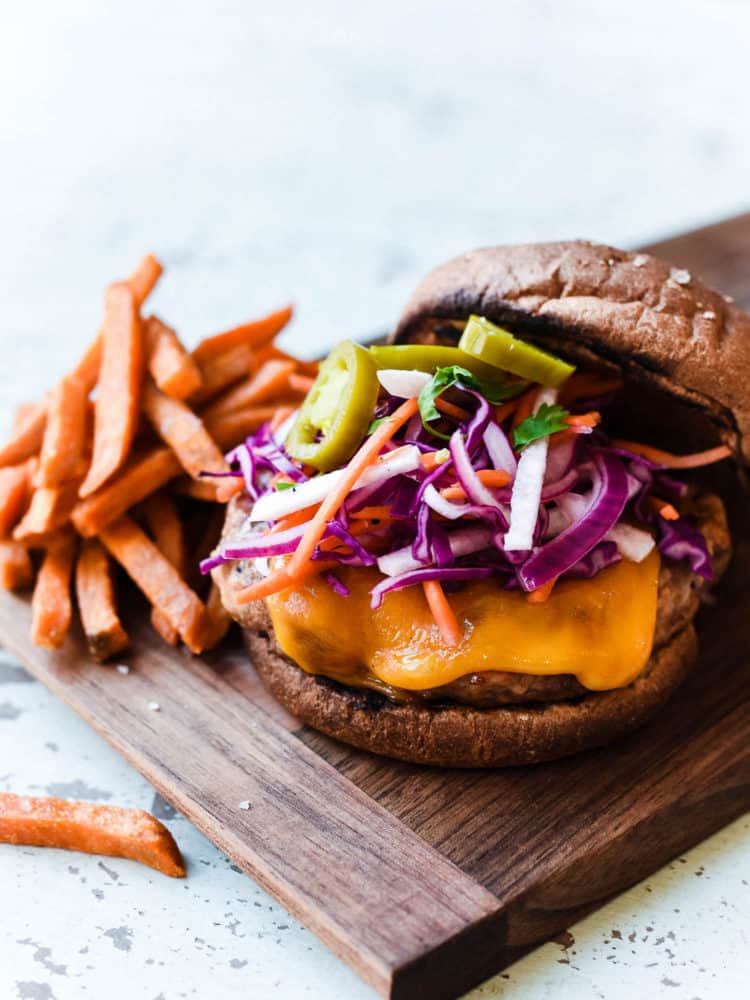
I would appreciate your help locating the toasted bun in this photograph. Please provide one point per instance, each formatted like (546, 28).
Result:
(595, 302)
(459, 736)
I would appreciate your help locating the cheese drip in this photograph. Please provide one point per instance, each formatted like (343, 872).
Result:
(600, 630)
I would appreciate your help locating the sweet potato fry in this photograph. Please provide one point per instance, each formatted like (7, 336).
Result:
(50, 509)
(161, 625)
(22, 411)
(158, 579)
(62, 455)
(223, 370)
(260, 331)
(145, 276)
(27, 436)
(218, 618)
(198, 489)
(271, 379)
(141, 283)
(92, 829)
(301, 383)
(51, 606)
(172, 367)
(104, 633)
(227, 431)
(117, 400)
(184, 432)
(271, 351)
(142, 475)
(15, 491)
(16, 571)
(166, 529)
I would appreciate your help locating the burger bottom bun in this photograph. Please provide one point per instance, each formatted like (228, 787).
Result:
(462, 736)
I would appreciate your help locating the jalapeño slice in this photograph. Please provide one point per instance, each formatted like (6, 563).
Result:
(337, 411)
(494, 346)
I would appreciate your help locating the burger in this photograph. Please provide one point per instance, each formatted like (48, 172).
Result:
(485, 542)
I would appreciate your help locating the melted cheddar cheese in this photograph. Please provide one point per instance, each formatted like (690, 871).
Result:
(600, 630)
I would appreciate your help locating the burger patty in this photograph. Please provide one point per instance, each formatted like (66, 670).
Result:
(679, 597)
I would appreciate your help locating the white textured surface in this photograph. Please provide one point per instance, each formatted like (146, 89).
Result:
(329, 152)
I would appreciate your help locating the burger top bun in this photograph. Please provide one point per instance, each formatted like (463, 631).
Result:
(596, 304)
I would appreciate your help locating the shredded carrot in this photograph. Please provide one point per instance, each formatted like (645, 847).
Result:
(259, 331)
(488, 477)
(525, 406)
(16, 571)
(372, 514)
(664, 509)
(118, 390)
(365, 457)
(104, 633)
(223, 370)
(267, 382)
(671, 461)
(504, 410)
(429, 461)
(587, 386)
(280, 580)
(51, 605)
(541, 594)
(172, 367)
(442, 612)
(451, 410)
(301, 383)
(592, 419)
(184, 432)
(295, 519)
(64, 444)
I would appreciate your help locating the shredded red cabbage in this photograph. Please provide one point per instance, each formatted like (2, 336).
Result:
(589, 486)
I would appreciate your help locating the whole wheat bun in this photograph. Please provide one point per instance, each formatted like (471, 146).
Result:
(675, 340)
(460, 736)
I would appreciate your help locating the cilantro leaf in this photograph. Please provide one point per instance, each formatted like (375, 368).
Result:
(547, 420)
(444, 378)
(283, 485)
(375, 424)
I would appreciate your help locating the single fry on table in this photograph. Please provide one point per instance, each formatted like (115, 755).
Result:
(92, 829)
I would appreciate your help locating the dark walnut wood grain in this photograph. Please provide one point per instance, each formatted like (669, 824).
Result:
(428, 881)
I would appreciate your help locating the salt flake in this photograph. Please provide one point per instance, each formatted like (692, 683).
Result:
(679, 276)
(122, 668)
(154, 706)
(244, 805)
(640, 260)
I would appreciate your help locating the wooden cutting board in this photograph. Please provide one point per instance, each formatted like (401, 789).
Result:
(425, 881)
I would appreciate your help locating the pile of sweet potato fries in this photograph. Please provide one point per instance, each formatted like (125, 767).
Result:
(108, 467)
